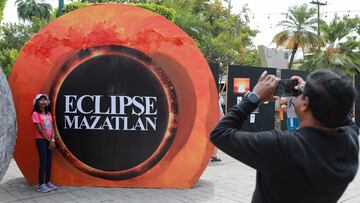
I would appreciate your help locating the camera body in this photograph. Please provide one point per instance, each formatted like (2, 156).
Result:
(286, 88)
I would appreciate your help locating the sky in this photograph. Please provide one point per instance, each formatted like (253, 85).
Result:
(265, 14)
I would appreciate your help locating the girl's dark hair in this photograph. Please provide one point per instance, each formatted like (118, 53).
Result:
(331, 97)
(37, 108)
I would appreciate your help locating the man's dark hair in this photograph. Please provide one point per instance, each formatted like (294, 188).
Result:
(37, 108)
(331, 97)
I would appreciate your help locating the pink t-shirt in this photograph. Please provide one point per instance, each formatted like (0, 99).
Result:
(45, 121)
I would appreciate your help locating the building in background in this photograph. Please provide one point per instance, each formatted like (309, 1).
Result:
(273, 58)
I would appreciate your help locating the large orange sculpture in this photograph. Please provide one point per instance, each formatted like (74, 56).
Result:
(132, 96)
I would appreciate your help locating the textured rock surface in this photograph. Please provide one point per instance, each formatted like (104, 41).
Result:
(8, 126)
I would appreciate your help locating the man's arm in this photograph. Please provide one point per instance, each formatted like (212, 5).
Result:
(351, 124)
(261, 150)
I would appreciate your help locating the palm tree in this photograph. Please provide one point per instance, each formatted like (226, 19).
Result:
(341, 51)
(243, 16)
(31, 8)
(300, 27)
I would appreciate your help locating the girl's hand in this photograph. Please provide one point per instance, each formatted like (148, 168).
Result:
(283, 107)
(52, 145)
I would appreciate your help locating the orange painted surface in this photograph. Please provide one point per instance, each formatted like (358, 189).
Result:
(170, 47)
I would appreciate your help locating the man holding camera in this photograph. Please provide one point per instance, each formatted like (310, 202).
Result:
(316, 164)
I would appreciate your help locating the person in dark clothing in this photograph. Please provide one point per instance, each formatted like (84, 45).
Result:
(316, 163)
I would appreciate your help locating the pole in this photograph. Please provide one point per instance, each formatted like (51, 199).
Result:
(318, 20)
(229, 7)
(61, 6)
(318, 15)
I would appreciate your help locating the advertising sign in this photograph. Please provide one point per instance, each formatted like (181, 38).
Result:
(132, 98)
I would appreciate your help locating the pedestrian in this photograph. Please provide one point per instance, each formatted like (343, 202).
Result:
(288, 106)
(214, 156)
(44, 140)
(313, 165)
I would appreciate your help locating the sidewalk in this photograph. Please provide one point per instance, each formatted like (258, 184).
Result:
(226, 181)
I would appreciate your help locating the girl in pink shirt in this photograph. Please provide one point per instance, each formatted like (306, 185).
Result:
(44, 139)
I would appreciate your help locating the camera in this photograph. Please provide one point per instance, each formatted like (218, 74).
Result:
(286, 88)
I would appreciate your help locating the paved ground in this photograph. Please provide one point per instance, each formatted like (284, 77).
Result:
(226, 181)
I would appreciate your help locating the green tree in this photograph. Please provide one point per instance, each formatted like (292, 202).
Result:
(353, 24)
(342, 49)
(168, 13)
(222, 37)
(95, 1)
(117, 1)
(13, 38)
(2, 6)
(300, 27)
(7, 59)
(5, 68)
(31, 8)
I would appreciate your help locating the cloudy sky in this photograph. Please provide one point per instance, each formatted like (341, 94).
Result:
(265, 14)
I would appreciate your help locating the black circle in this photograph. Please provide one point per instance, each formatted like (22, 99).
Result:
(110, 77)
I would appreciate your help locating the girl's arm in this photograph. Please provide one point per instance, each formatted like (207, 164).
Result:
(41, 131)
(52, 141)
(53, 135)
(53, 129)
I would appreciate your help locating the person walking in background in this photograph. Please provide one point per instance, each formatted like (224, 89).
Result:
(44, 140)
(313, 165)
(288, 106)
(214, 156)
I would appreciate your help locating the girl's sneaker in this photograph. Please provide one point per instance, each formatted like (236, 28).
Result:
(215, 159)
(43, 188)
(51, 186)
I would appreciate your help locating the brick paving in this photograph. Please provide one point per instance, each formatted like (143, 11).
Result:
(226, 182)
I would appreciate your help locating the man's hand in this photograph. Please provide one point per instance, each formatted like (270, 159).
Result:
(300, 82)
(265, 87)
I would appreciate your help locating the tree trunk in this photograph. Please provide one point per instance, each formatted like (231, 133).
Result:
(293, 56)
